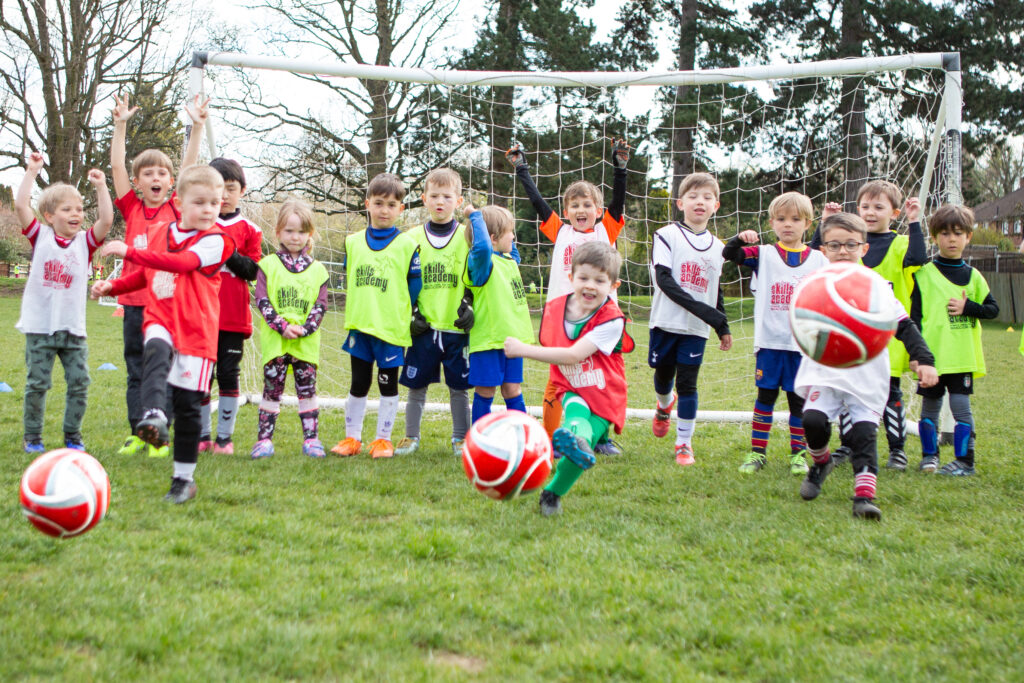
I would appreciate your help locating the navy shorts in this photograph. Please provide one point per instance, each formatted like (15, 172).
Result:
(776, 369)
(374, 350)
(669, 348)
(953, 382)
(493, 368)
(430, 352)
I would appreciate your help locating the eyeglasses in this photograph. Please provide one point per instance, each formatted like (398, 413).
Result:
(850, 246)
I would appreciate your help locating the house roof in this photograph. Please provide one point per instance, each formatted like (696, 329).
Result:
(1007, 206)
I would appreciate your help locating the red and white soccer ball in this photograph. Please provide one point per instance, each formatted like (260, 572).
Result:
(65, 492)
(839, 315)
(506, 454)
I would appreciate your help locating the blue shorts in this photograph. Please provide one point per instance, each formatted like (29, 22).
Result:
(776, 369)
(493, 368)
(432, 350)
(374, 350)
(669, 348)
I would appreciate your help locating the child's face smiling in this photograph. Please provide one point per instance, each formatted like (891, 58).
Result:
(698, 206)
(877, 212)
(154, 182)
(441, 203)
(583, 213)
(199, 207)
(384, 211)
(590, 287)
(66, 220)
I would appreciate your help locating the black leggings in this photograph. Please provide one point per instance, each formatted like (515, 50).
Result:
(362, 378)
(769, 396)
(685, 379)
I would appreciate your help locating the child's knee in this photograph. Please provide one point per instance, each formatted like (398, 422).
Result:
(511, 390)
(484, 392)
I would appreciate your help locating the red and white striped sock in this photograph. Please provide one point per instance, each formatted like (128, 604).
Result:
(820, 455)
(864, 484)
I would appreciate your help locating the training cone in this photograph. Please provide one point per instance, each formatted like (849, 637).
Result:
(118, 312)
(1010, 328)
(107, 366)
(5, 388)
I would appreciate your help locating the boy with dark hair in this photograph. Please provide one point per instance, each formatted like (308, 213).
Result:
(382, 280)
(859, 391)
(443, 313)
(153, 177)
(686, 266)
(948, 300)
(235, 317)
(583, 336)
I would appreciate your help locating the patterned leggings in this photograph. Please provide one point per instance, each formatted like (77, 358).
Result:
(274, 374)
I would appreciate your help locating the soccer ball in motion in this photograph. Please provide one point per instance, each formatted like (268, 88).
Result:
(65, 492)
(506, 454)
(840, 315)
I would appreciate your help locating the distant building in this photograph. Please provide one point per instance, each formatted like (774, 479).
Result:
(1004, 215)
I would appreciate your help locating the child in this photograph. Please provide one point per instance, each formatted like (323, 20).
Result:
(53, 306)
(583, 336)
(291, 295)
(182, 276)
(948, 300)
(500, 307)
(894, 257)
(779, 268)
(235, 318)
(379, 261)
(442, 315)
(686, 264)
(153, 176)
(861, 391)
(582, 205)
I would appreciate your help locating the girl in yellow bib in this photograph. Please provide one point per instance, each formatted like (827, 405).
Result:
(291, 295)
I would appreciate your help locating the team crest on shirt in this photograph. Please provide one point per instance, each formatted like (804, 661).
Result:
(410, 371)
(163, 284)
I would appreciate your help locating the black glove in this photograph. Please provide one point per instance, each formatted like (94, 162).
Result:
(516, 154)
(465, 320)
(419, 324)
(620, 153)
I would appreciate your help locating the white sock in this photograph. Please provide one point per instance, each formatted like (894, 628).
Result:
(227, 412)
(665, 400)
(684, 431)
(184, 470)
(386, 416)
(204, 420)
(355, 408)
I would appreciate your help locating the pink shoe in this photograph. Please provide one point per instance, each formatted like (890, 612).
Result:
(206, 446)
(226, 448)
(663, 418)
(684, 455)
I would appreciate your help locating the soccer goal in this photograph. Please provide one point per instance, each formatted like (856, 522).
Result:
(821, 128)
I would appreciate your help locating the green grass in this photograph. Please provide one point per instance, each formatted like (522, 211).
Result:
(292, 569)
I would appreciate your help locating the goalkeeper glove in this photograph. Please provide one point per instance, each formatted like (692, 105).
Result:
(620, 152)
(465, 318)
(419, 324)
(516, 154)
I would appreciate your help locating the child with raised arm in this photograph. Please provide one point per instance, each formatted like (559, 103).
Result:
(382, 281)
(152, 175)
(779, 268)
(235, 318)
(291, 295)
(53, 304)
(181, 273)
(443, 313)
(860, 391)
(948, 300)
(588, 220)
(895, 257)
(583, 336)
(686, 266)
(501, 309)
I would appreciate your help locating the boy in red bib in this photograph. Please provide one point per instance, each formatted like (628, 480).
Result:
(182, 276)
(583, 336)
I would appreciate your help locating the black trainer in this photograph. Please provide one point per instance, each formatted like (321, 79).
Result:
(152, 428)
(897, 460)
(865, 508)
(550, 503)
(841, 455)
(181, 491)
(811, 486)
(929, 463)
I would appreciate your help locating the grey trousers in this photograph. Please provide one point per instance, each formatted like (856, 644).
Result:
(40, 351)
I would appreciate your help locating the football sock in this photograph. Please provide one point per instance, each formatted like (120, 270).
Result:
(551, 410)
(458, 399)
(205, 419)
(864, 484)
(929, 437)
(963, 431)
(516, 403)
(227, 412)
(414, 411)
(796, 434)
(566, 474)
(820, 455)
(184, 470)
(665, 400)
(481, 406)
(895, 424)
(961, 439)
(386, 416)
(355, 408)
(686, 418)
(762, 425)
(577, 419)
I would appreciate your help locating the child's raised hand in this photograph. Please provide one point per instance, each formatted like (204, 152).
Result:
(513, 347)
(955, 305)
(912, 209)
(749, 236)
(34, 162)
(831, 209)
(96, 178)
(121, 111)
(100, 288)
(198, 109)
(620, 153)
(115, 247)
(468, 208)
(516, 154)
(725, 342)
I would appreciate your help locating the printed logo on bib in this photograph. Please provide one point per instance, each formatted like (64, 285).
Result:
(693, 275)
(518, 291)
(58, 274)
(141, 241)
(163, 284)
(961, 322)
(441, 274)
(567, 257)
(780, 294)
(288, 299)
(583, 374)
(366, 276)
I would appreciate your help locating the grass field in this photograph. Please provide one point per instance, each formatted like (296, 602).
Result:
(290, 569)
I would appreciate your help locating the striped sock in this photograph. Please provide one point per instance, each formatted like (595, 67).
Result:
(796, 434)
(864, 484)
(820, 455)
(762, 425)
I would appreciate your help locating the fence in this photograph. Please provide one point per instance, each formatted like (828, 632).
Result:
(1004, 272)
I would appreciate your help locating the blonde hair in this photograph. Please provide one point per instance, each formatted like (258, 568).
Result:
(881, 188)
(199, 176)
(443, 177)
(696, 180)
(53, 196)
(844, 221)
(792, 200)
(498, 220)
(296, 207)
(600, 255)
(584, 189)
(951, 217)
(151, 157)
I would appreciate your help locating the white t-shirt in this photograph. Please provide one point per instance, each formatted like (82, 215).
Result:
(57, 286)
(605, 336)
(695, 260)
(566, 243)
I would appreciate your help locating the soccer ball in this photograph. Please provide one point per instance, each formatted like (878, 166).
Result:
(839, 315)
(65, 492)
(506, 454)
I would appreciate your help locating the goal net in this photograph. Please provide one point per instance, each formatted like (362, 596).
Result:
(819, 128)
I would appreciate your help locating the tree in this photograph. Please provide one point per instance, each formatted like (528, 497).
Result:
(58, 59)
(998, 171)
